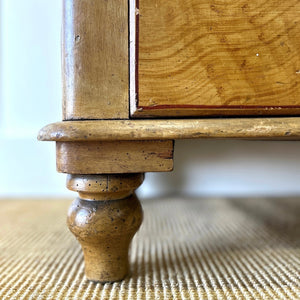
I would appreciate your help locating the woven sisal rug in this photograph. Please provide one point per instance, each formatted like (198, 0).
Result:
(186, 249)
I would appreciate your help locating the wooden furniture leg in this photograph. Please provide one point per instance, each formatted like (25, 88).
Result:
(104, 220)
(107, 213)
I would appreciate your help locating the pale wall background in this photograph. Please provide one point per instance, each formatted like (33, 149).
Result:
(30, 97)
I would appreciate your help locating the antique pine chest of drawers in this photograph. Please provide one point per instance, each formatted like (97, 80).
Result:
(138, 75)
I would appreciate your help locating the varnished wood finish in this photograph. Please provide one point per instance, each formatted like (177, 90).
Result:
(104, 187)
(197, 57)
(200, 57)
(114, 157)
(95, 59)
(105, 228)
(192, 111)
(246, 128)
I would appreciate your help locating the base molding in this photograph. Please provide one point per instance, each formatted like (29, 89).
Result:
(275, 128)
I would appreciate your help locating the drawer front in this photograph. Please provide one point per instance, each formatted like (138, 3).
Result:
(215, 58)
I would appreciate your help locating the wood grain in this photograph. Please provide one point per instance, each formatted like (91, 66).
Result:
(114, 157)
(218, 57)
(95, 59)
(234, 128)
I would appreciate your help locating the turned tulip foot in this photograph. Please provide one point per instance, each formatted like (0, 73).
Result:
(105, 228)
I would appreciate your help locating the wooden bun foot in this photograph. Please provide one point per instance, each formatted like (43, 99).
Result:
(105, 228)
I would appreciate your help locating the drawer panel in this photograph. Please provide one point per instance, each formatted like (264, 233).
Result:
(201, 57)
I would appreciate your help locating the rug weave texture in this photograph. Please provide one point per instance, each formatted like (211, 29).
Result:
(185, 249)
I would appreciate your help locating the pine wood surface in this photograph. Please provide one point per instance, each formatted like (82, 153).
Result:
(104, 219)
(234, 128)
(95, 59)
(104, 187)
(114, 157)
(105, 229)
(200, 57)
